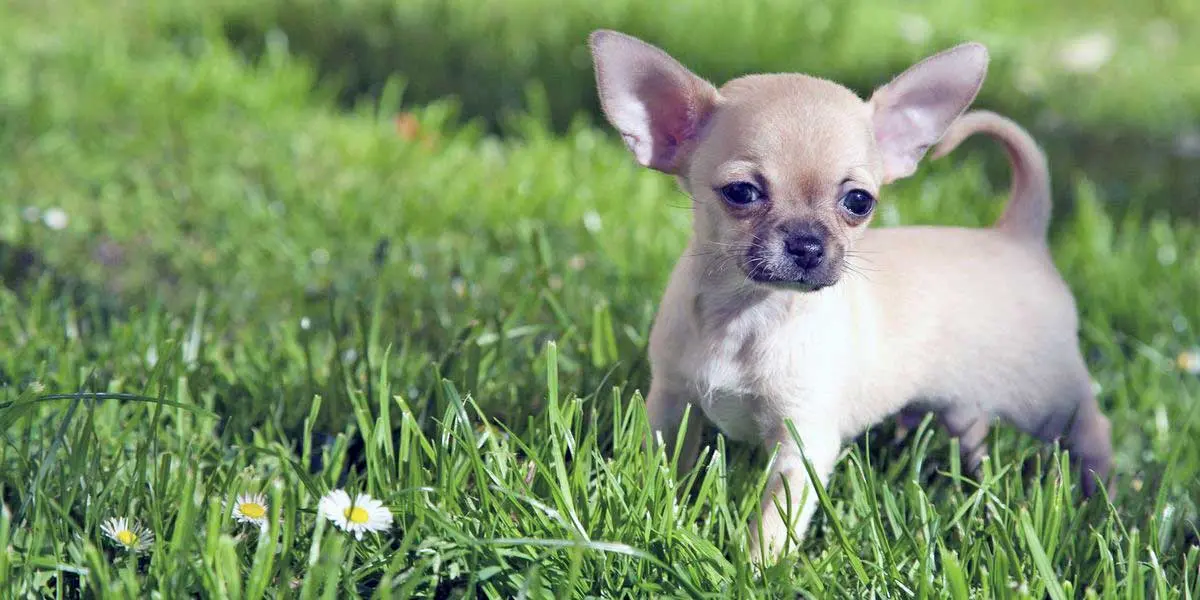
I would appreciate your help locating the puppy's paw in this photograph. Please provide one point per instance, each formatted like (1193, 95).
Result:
(771, 539)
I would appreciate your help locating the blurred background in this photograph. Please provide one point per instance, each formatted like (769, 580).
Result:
(1111, 88)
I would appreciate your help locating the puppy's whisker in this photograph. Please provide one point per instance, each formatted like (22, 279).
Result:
(855, 271)
(734, 245)
(859, 274)
(860, 268)
(851, 255)
(857, 253)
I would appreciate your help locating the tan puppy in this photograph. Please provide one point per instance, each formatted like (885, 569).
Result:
(787, 308)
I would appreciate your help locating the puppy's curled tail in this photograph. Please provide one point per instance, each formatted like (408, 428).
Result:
(1028, 211)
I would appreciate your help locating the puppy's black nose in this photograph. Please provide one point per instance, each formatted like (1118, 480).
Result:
(806, 249)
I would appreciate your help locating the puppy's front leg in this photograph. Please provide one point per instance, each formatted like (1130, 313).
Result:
(665, 407)
(789, 501)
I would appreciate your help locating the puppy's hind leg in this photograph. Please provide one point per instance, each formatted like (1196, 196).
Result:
(1084, 431)
(1089, 439)
(908, 419)
(970, 426)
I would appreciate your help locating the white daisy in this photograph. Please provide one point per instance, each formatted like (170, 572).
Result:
(363, 514)
(129, 535)
(252, 509)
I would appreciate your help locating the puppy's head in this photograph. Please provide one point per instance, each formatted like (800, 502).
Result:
(784, 169)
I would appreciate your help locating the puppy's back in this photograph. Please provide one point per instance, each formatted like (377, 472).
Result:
(998, 303)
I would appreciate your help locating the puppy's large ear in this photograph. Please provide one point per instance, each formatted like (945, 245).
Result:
(911, 113)
(656, 104)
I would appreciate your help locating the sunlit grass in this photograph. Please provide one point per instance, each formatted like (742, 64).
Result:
(253, 292)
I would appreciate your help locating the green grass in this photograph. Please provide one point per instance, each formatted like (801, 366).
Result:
(476, 310)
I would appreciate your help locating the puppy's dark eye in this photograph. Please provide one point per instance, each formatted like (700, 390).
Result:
(741, 193)
(858, 203)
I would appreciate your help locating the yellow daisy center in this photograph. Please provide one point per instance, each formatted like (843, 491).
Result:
(253, 510)
(356, 514)
(127, 537)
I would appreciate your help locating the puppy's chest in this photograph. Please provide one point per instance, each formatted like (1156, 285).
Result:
(748, 378)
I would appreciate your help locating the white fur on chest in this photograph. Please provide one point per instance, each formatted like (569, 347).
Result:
(768, 364)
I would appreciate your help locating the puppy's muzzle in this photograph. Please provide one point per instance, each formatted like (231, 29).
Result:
(801, 255)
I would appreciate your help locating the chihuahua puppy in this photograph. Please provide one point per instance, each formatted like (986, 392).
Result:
(788, 322)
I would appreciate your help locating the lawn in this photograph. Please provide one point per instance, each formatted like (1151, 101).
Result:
(231, 266)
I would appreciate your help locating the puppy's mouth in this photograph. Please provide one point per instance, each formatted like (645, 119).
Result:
(783, 269)
(802, 283)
